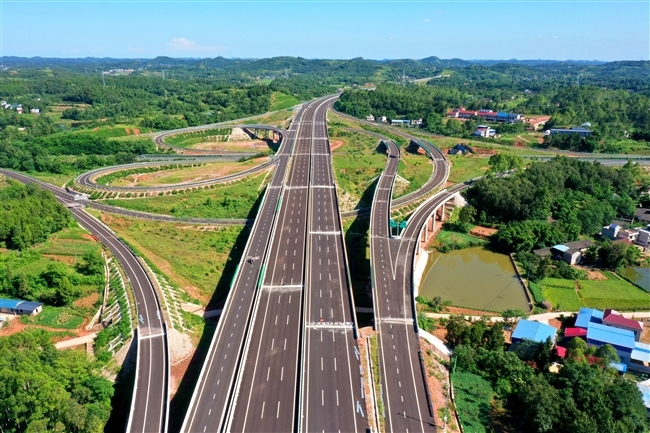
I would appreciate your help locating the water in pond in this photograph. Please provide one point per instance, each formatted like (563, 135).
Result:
(639, 275)
(473, 278)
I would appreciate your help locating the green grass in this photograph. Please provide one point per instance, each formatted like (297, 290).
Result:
(55, 179)
(196, 260)
(466, 167)
(613, 293)
(447, 240)
(186, 139)
(72, 242)
(55, 317)
(610, 293)
(223, 201)
(414, 167)
(280, 101)
(473, 398)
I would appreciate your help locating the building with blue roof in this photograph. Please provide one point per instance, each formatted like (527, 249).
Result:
(533, 331)
(620, 339)
(17, 306)
(587, 316)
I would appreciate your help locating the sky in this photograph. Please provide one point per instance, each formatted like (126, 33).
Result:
(467, 29)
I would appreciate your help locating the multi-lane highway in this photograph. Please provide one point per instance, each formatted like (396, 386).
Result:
(215, 388)
(404, 393)
(150, 401)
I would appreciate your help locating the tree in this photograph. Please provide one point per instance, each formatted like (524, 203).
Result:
(467, 214)
(93, 263)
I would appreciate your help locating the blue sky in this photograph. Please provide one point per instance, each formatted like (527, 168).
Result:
(479, 29)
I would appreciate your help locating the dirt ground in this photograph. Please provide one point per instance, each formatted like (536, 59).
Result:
(482, 232)
(258, 145)
(335, 144)
(68, 260)
(87, 301)
(14, 325)
(181, 350)
(592, 274)
(438, 382)
(469, 312)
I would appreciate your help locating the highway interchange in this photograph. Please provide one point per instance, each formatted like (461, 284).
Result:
(284, 356)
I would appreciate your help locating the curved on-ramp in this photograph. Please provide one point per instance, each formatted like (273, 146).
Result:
(150, 401)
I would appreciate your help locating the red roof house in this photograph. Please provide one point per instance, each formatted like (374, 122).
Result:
(575, 332)
(615, 319)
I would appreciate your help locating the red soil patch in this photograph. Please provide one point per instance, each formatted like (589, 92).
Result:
(482, 232)
(63, 259)
(89, 237)
(87, 301)
(177, 372)
(136, 131)
(335, 144)
(448, 184)
(469, 312)
(15, 325)
(128, 131)
(519, 144)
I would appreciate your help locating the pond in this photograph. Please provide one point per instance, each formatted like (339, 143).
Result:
(473, 278)
(639, 275)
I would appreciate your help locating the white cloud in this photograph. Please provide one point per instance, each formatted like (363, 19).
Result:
(426, 20)
(182, 44)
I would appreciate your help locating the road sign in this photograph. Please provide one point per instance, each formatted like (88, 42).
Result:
(393, 224)
(402, 225)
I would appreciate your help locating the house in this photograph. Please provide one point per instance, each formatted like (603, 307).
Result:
(484, 114)
(462, 113)
(613, 318)
(611, 231)
(370, 118)
(15, 306)
(610, 327)
(532, 331)
(485, 131)
(581, 131)
(620, 339)
(381, 119)
(570, 252)
(400, 122)
(460, 148)
(642, 214)
(35, 111)
(644, 238)
(416, 121)
(19, 110)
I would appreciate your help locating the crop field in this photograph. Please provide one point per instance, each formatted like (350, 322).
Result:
(55, 317)
(473, 401)
(280, 101)
(235, 200)
(613, 292)
(199, 260)
(178, 174)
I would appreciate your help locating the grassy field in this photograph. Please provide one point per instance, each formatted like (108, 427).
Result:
(224, 201)
(561, 293)
(55, 317)
(415, 168)
(187, 139)
(466, 167)
(613, 292)
(55, 179)
(201, 262)
(280, 101)
(179, 174)
(356, 163)
(447, 240)
(473, 401)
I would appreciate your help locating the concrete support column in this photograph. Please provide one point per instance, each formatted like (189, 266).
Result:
(442, 213)
(433, 221)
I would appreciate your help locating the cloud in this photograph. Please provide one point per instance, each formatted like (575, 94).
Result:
(426, 20)
(182, 44)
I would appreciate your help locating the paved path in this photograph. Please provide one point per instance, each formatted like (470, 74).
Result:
(544, 317)
(75, 341)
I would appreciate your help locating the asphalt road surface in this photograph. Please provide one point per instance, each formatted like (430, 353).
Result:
(403, 391)
(216, 385)
(150, 403)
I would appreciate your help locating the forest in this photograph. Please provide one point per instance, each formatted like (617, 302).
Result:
(579, 197)
(44, 389)
(586, 395)
(28, 215)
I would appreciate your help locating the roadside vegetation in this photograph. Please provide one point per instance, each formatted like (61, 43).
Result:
(514, 390)
(236, 200)
(200, 260)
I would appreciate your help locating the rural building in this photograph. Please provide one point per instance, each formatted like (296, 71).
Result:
(370, 118)
(15, 306)
(610, 327)
(642, 214)
(613, 318)
(381, 119)
(416, 121)
(611, 231)
(461, 149)
(533, 331)
(35, 111)
(637, 235)
(400, 122)
(644, 238)
(486, 115)
(570, 252)
(580, 130)
(484, 131)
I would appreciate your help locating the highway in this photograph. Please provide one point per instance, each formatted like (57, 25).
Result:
(150, 401)
(216, 384)
(403, 391)
(332, 396)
